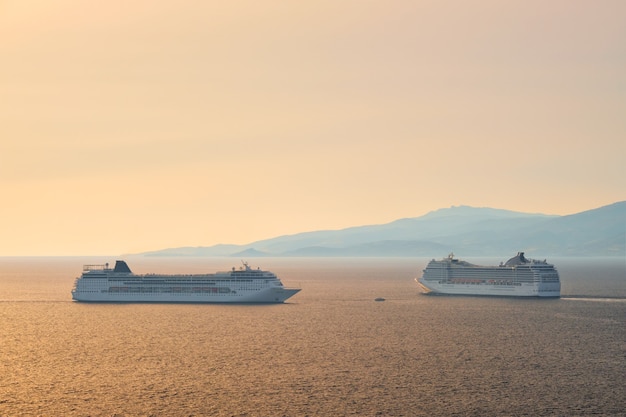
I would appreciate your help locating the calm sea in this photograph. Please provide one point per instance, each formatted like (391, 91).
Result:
(330, 351)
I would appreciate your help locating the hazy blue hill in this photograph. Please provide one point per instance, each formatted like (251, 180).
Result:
(313, 251)
(600, 231)
(372, 249)
(436, 226)
(217, 250)
(467, 231)
(249, 253)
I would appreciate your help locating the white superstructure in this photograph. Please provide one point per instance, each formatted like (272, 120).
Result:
(518, 277)
(99, 283)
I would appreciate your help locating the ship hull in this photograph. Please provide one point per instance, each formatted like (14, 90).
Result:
(524, 290)
(270, 295)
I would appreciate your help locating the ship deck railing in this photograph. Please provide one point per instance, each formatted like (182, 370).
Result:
(95, 267)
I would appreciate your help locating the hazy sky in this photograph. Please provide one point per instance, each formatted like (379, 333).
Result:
(128, 126)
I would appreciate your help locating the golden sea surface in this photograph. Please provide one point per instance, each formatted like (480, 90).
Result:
(331, 350)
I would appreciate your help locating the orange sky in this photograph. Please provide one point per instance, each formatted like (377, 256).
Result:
(135, 126)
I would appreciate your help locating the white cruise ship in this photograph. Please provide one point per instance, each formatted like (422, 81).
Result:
(518, 277)
(99, 283)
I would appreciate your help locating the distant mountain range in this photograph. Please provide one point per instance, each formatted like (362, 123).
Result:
(467, 231)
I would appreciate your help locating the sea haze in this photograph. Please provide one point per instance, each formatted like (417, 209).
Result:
(331, 350)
